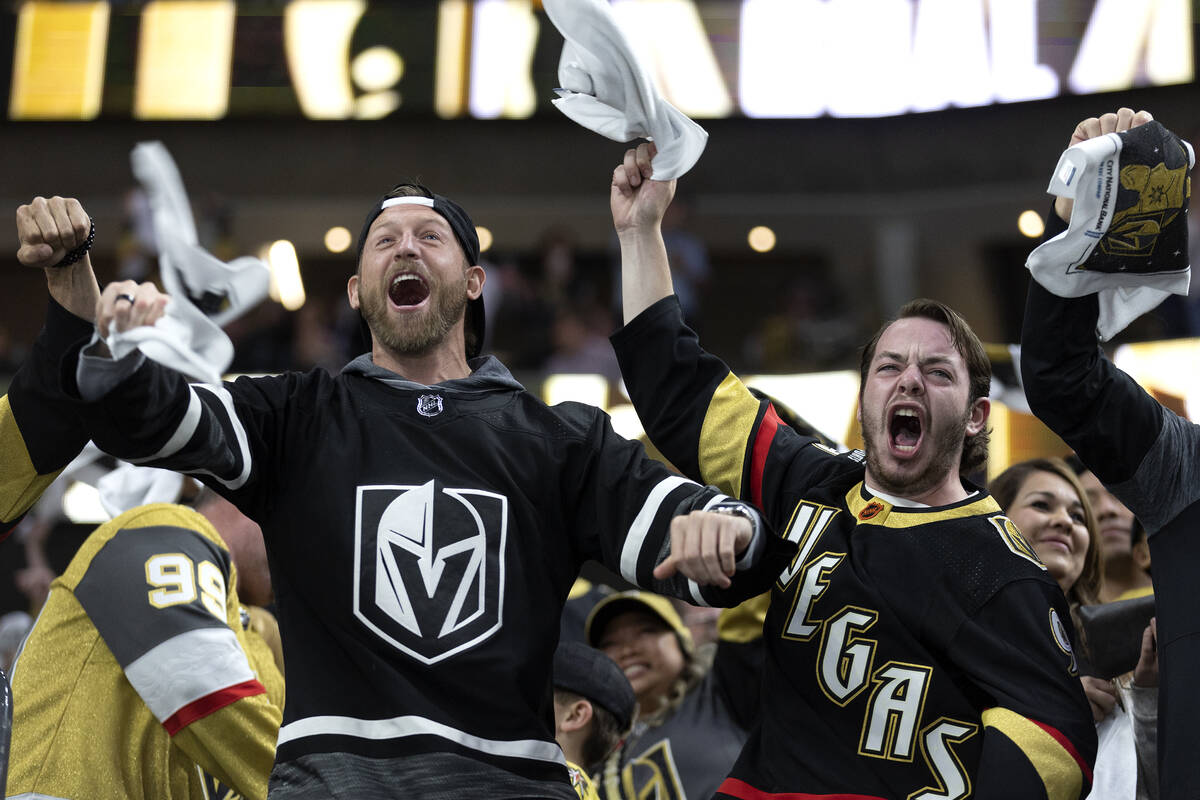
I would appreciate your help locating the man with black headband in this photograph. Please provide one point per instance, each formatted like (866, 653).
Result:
(424, 516)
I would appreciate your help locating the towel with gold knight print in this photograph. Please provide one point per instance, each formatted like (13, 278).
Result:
(1127, 239)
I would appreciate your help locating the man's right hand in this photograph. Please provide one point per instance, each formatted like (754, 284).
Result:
(48, 229)
(705, 546)
(126, 304)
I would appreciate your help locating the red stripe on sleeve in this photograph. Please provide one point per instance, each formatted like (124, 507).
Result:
(744, 791)
(199, 709)
(758, 456)
(1066, 745)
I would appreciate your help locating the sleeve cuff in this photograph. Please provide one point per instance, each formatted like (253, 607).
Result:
(753, 551)
(97, 375)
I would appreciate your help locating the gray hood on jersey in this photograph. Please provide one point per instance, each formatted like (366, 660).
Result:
(487, 375)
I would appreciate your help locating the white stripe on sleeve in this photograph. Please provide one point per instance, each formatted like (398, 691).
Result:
(640, 528)
(185, 430)
(187, 667)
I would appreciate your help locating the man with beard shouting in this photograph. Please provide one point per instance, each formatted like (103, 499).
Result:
(916, 646)
(424, 517)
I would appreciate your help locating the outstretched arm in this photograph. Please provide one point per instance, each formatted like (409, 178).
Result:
(638, 204)
(39, 427)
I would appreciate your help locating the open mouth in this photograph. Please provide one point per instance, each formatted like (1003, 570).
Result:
(407, 290)
(635, 670)
(905, 430)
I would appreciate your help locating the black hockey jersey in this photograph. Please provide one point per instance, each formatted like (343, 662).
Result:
(422, 542)
(39, 428)
(1147, 456)
(911, 652)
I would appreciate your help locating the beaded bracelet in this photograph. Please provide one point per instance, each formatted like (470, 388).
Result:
(73, 256)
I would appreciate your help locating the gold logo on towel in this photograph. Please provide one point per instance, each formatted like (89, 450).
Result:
(1161, 193)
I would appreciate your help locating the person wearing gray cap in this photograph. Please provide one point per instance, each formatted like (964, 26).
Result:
(424, 515)
(593, 710)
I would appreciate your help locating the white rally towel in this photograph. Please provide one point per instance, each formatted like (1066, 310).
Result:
(129, 486)
(186, 338)
(606, 90)
(1127, 239)
(123, 487)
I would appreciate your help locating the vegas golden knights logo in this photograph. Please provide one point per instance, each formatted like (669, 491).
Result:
(651, 776)
(1160, 196)
(429, 566)
(1015, 541)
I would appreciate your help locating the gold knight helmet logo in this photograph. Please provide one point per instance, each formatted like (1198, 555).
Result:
(1161, 191)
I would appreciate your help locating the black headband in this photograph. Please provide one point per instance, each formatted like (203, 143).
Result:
(464, 231)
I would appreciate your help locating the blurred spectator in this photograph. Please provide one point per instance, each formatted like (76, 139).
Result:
(144, 671)
(580, 336)
(137, 249)
(313, 341)
(809, 330)
(521, 332)
(694, 704)
(1123, 576)
(1050, 507)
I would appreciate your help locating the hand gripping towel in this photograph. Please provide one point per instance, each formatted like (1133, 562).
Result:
(1127, 238)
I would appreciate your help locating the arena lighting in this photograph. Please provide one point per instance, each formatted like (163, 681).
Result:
(185, 54)
(450, 76)
(81, 505)
(317, 39)
(1120, 34)
(485, 238)
(892, 56)
(918, 55)
(625, 421)
(337, 239)
(58, 61)
(503, 36)
(670, 39)
(826, 400)
(377, 68)
(761, 239)
(590, 389)
(1030, 224)
(285, 274)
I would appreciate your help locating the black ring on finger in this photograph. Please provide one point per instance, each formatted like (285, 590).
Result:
(126, 296)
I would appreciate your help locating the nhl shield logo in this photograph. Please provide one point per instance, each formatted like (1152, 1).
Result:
(429, 405)
(429, 566)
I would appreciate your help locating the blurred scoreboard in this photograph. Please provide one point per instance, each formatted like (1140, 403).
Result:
(487, 59)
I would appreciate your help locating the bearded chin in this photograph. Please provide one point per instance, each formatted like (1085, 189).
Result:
(420, 334)
(946, 456)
